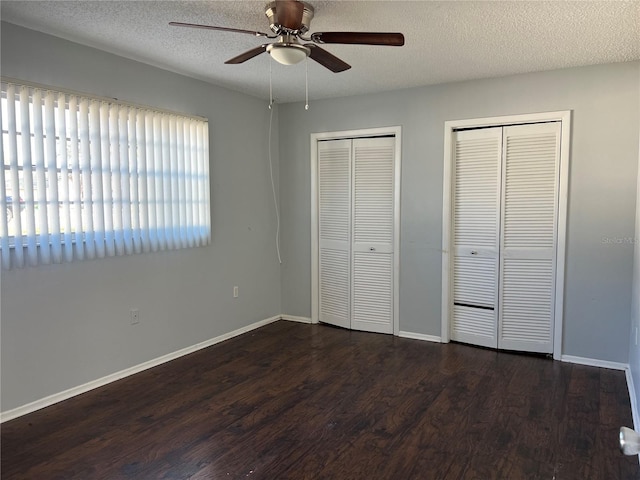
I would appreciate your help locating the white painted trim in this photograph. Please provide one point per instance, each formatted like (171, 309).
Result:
(361, 133)
(563, 192)
(396, 229)
(420, 336)
(509, 119)
(634, 400)
(315, 247)
(594, 362)
(447, 210)
(72, 392)
(561, 240)
(293, 318)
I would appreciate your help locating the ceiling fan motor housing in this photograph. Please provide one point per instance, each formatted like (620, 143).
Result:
(284, 17)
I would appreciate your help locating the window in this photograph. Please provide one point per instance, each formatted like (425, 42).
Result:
(87, 178)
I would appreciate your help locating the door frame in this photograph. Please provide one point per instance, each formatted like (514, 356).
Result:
(395, 131)
(564, 117)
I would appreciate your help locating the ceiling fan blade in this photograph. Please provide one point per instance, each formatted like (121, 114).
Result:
(289, 14)
(327, 59)
(359, 38)
(223, 29)
(248, 55)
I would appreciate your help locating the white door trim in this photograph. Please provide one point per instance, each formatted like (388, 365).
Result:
(396, 131)
(447, 202)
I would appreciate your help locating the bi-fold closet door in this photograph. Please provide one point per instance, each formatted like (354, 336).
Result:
(356, 233)
(505, 236)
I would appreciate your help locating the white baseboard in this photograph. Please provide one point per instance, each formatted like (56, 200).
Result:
(293, 318)
(592, 362)
(72, 392)
(420, 336)
(634, 401)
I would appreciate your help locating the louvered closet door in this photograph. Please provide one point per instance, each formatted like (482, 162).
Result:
(529, 233)
(372, 263)
(477, 169)
(334, 225)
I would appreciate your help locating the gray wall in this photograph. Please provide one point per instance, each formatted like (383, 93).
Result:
(65, 325)
(634, 347)
(603, 172)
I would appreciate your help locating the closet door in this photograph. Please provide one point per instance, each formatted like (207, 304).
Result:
(529, 236)
(476, 223)
(334, 230)
(372, 247)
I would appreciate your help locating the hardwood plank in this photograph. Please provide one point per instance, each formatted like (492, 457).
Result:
(311, 401)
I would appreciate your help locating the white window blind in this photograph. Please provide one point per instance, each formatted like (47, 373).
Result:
(88, 178)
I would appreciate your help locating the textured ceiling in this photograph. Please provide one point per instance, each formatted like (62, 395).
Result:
(445, 41)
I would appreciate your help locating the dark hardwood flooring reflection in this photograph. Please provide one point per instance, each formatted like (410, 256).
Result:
(310, 401)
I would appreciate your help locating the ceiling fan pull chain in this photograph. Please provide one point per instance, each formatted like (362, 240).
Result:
(270, 86)
(306, 84)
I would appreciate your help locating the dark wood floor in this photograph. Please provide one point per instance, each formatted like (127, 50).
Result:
(309, 401)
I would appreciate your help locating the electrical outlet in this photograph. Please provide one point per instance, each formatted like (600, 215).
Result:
(235, 292)
(135, 316)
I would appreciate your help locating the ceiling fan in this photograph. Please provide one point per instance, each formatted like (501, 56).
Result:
(289, 20)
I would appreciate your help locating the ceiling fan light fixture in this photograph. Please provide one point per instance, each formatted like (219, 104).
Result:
(288, 53)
